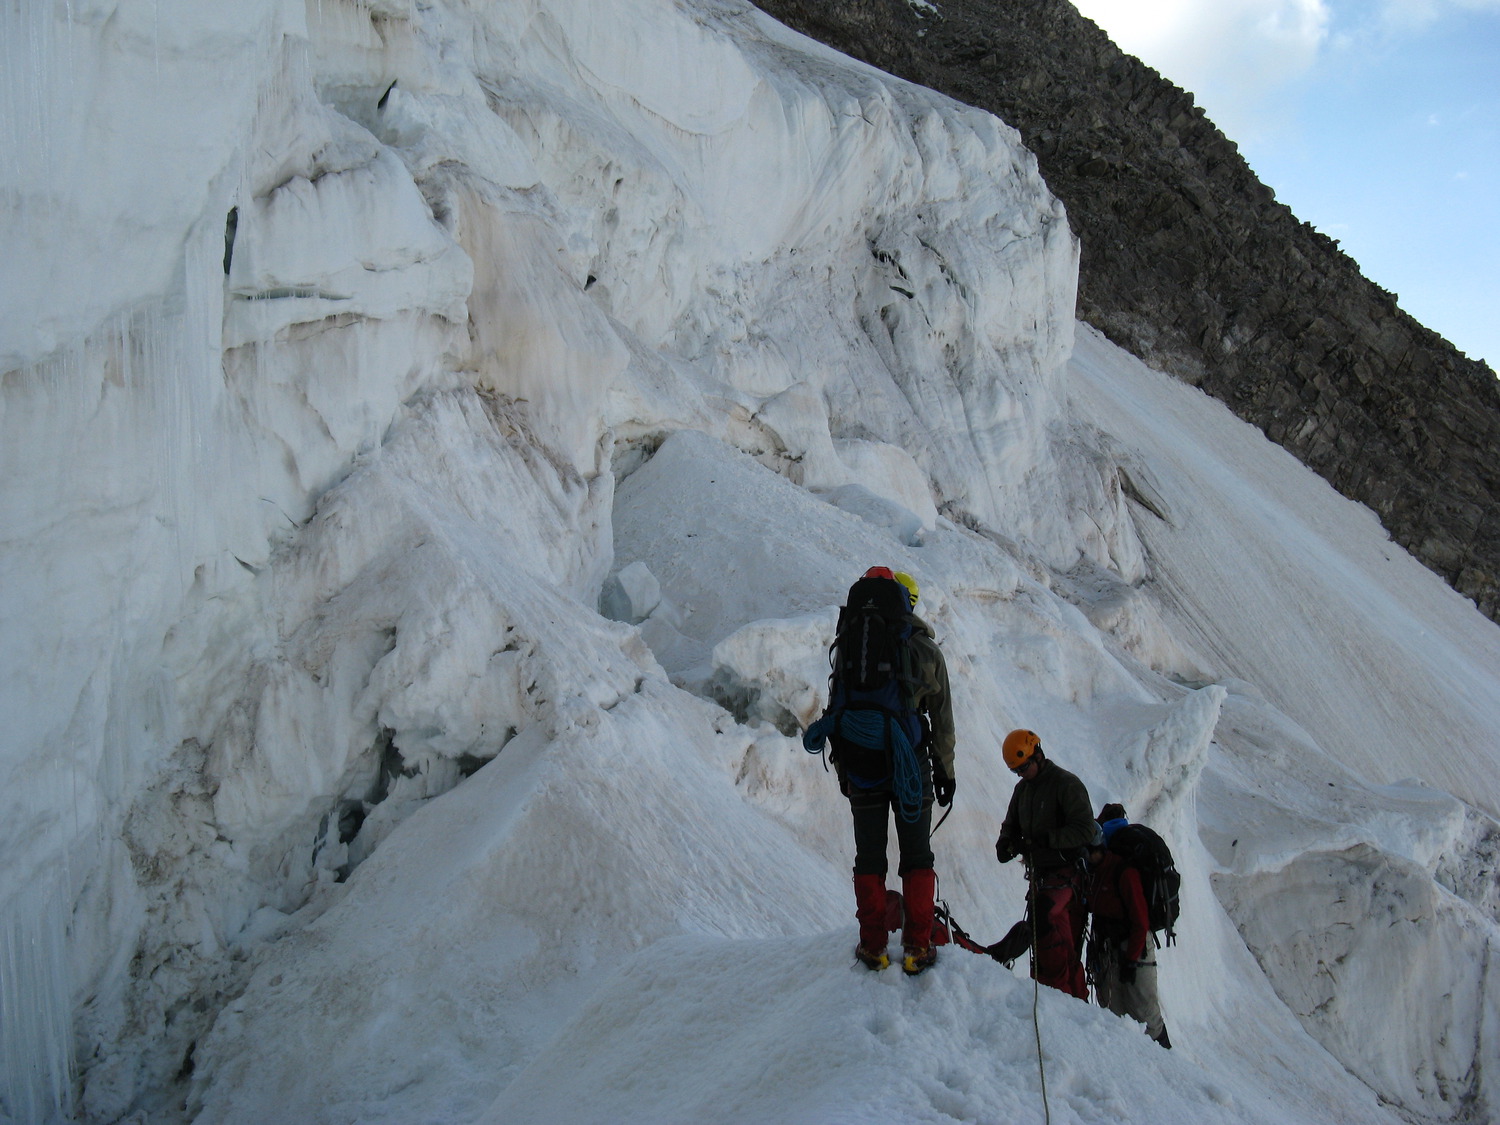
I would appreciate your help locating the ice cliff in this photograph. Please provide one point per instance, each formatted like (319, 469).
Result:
(358, 355)
(1191, 263)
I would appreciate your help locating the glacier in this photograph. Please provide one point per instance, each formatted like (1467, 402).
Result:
(436, 438)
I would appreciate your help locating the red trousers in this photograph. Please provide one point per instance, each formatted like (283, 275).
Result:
(1059, 921)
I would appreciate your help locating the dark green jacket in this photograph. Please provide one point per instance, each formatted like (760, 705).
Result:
(931, 695)
(1050, 817)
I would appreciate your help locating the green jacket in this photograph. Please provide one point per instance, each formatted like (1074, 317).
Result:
(1050, 816)
(931, 696)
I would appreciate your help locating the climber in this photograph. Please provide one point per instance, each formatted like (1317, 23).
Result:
(1121, 952)
(1050, 823)
(890, 722)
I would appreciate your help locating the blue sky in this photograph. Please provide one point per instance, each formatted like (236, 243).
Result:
(1378, 121)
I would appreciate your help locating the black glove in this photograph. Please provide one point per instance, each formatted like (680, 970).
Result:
(1127, 972)
(1006, 850)
(943, 788)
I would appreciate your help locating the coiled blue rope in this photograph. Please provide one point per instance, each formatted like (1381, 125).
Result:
(873, 729)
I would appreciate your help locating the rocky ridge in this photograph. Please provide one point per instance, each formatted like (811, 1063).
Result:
(1189, 262)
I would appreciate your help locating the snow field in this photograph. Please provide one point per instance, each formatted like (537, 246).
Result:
(798, 1032)
(331, 795)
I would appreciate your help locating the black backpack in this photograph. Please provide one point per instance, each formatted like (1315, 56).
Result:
(872, 681)
(1143, 849)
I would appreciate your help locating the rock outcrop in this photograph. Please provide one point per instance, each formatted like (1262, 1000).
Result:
(1190, 263)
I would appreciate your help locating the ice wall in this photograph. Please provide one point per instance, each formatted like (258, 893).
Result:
(355, 348)
(297, 290)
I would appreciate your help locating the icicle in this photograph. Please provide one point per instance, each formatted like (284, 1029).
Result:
(20, 66)
(36, 1044)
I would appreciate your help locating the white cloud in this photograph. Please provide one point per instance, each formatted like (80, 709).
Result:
(1262, 41)
(1231, 54)
(1404, 15)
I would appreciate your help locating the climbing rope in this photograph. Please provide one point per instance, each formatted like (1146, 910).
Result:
(965, 941)
(1036, 992)
(907, 780)
(876, 730)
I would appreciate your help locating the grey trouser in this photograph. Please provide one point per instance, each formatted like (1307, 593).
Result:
(1137, 999)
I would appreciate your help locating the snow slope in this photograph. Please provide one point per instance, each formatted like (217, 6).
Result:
(421, 537)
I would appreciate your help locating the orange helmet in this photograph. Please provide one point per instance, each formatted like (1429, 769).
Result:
(1020, 747)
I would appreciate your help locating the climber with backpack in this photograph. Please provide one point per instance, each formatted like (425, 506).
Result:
(1128, 872)
(889, 723)
(1049, 824)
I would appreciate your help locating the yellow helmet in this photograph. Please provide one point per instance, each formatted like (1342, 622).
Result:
(1020, 747)
(911, 586)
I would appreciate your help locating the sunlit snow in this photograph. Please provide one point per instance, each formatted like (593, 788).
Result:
(436, 440)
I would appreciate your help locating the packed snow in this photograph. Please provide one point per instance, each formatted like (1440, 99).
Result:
(436, 441)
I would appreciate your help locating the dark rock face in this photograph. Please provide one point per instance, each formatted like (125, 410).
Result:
(1191, 264)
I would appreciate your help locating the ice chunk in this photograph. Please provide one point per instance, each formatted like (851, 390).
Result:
(890, 472)
(631, 595)
(1382, 966)
(860, 501)
(775, 671)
